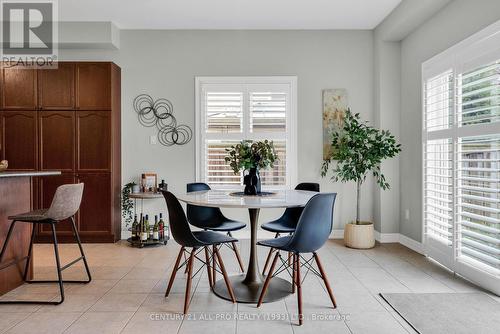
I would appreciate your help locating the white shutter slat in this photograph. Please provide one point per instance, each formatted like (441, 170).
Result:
(478, 199)
(438, 190)
(480, 95)
(267, 111)
(224, 112)
(438, 102)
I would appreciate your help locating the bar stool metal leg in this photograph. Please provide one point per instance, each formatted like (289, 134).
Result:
(83, 257)
(9, 234)
(30, 251)
(58, 264)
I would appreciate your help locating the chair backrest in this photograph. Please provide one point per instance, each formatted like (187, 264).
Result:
(178, 223)
(291, 215)
(66, 202)
(310, 186)
(202, 216)
(315, 224)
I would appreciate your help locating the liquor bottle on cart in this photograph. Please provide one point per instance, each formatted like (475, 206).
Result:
(156, 227)
(145, 229)
(134, 228)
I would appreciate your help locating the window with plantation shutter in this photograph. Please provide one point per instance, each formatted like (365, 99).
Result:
(231, 109)
(461, 157)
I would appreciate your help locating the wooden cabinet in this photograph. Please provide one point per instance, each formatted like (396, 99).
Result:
(93, 140)
(96, 203)
(56, 87)
(19, 88)
(93, 86)
(19, 142)
(70, 121)
(57, 136)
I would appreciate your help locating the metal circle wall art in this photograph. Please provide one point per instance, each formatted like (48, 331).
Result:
(159, 113)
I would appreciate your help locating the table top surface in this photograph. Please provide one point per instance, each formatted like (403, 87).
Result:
(224, 199)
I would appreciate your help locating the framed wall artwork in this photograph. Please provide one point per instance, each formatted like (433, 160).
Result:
(335, 104)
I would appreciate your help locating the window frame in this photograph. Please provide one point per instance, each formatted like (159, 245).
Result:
(477, 50)
(291, 123)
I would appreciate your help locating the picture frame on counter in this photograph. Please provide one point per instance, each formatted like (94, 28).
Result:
(149, 182)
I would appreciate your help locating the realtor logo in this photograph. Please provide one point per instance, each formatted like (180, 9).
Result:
(29, 32)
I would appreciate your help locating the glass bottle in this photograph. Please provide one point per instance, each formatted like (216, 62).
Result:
(156, 228)
(134, 228)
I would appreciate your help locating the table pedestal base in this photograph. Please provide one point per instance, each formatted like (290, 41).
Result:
(250, 293)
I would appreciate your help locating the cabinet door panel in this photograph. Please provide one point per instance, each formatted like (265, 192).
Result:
(95, 211)
(93, 86)
(57, 140)
(20, 140)
(19, 88)
(93, 140)
(47, 189)
(56, 87)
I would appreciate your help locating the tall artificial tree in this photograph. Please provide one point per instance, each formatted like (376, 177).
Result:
(357, 150)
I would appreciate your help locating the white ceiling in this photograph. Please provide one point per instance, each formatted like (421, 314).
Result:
(230, 14)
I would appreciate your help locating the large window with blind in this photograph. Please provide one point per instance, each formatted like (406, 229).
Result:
(461, 157)
(232, 109)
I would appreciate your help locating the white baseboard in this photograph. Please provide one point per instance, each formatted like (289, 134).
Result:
(337, 234)
(384, 238)
(411, 244)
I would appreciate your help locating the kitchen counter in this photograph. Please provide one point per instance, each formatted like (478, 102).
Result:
(28, 174)
(16, 197)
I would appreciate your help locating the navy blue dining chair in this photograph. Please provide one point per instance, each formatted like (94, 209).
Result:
(312, 231)
(288, 221)
(198, 241)
(212, 219)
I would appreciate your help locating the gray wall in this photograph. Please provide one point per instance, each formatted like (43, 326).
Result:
(164, 64)
(455, 22)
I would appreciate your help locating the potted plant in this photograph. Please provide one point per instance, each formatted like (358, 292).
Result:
(357, 150)
(251, 156)
(127, 204)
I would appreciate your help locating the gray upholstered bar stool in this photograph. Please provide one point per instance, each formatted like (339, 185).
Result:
(65, 204)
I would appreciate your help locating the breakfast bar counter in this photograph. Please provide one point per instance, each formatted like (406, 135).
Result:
(15, 198)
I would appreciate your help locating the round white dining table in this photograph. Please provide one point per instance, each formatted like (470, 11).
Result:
(247, 286)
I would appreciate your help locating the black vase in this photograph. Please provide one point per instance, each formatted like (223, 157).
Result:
(252, 182)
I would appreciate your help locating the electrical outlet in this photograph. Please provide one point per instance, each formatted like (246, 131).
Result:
(407, 214)
(152, 140)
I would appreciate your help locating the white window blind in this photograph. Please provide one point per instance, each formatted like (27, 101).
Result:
(439, 102)
(480, 95)
(478, 198)
(438, 191)
(231, 109)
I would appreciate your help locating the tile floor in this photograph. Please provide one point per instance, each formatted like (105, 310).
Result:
(126, 294)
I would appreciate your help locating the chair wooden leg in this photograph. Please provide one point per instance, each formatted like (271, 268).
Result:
(268, 260)
(240, 262)
(174, 271)
(299, 287)
(189, 280)
(268, 279)
(294, 270)
(214, 263)
(224, 273)
(186, 260)
(209, 267)
(325, 279)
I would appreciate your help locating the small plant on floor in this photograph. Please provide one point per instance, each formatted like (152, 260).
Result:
(127, 204)
(357, 150)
